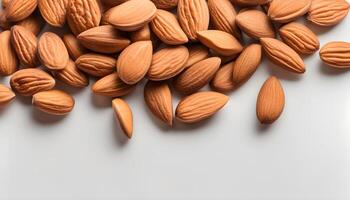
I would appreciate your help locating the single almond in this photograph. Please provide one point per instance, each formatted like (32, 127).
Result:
(53, 11)
(282, 55)
(197, 53)
(193, 16)
(159, 100)
(300, 38)
(97, 65)
(112, 86)
(165, 4)
(131, 15)
(123, 114)
(270, 102)
(336, 54)
(256, 24)
(222, 81)
(284, 11)
(74, 48)
(221, 42)
(72, 76)
(103, 39)
(167, 63)
(52, 51)
(54, 102)
(30, 81)
(142, 34)
(200, 106)
(168, 29)
(25, 44)
(197, 76)
(33, 23)
(8, 58)
(6, 95)
(328, 12)
(18, 10)
(250, 2)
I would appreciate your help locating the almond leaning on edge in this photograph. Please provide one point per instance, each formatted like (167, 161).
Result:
(336, 54)
(74, 48)
(54, 102)
(72, 76)
(197, 53)
(112, 86)
(222, 81)
(6, 95)
(123, 114)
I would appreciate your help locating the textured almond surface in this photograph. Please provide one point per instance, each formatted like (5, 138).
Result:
(30, 81)
(284, 11)
(54, 102)
(72, 76)
(124, 116)
(270, 101)
(221, 42)
(197, 76)
(300, 38)
(250, 2)
(142, 34)
(52, 51)
(159, 100)
(167, 63)
(8, 58)
(6, 95)
(74, 48)
(33, 23)
(336, 54)
(328, 12)
(112, 86)
(18, 10)
(97, 65)
(5, 3)
(103, 39)
(197, 53)
(222, 81)
(200, 106)
(165, 4)
(282, 55)
(193, 16)
(133, 63)
(54, 11)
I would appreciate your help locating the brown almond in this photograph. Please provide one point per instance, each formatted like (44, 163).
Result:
(74, 48)
(18, 10)
(54, 11)
(5, 3)
(328, 12)
(284, 11)
(8, 58)
(222, 81)
(33, 23)
(53, 102)
(123, 114)
(30, 81)
(97, 65)
(336, 54)
(270, 102)
(6, 95)
(72, 76)
(4, 23)
(197, 53)
(250, 2)
(142, 34)
(112, 86)
(200, 106)
(165, 4)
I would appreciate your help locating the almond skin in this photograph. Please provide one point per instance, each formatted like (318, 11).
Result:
(74, 48)
(18, 10)
(221, 42)
(52, 51)
(142, 34)
(97, 65)
(30, 81)
(270, 102)
(200, 106)
(159, 100)
(250, 2)
(5, 3)
(300, 38)
(168, 29)
(103, 39)
(222, 81)
(197, 76)
(53, 11)
(167, 63)
(112, 86)
(8, 58)
(53, 102)
(256, 24)
(165, 4)
(123, 114)
(193, 16)
(197, 53)
(6, 95)
(25, 44)
(4, 23)
(336, 54)
(131, 15)
(282, 55)
(33, 23)
(112, 3)
(284, 11)
(328, 12)
(134, 62)
(72, 76)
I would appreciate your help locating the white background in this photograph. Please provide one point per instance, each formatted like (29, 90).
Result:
(305, 155)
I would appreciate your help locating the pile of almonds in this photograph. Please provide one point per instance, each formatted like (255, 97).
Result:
(187, 44)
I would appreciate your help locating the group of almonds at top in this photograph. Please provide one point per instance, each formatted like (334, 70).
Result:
(185, 43)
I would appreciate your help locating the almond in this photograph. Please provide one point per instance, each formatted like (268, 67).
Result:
(284, 11)
(197, 53)
(336, 54)
(256, 24)
(8, 58)
(159, 100)
(133, 63)
(222, 81)
(131, 15)
(270, 101)
(83, 15)
(250, 2)
(54, 102)
(168, 63)
(72, 76)
(112, 86)
(197, 76)
(6, 95)
(25, 44)
(123, 114)
(328, 12)
(30, 81)
(142, 34)
(74, 48)
(168, 29)
(200, 106)
(221, 42)
(97, 65)
(33, 23)
(18, 10)
(165, 4)
(300, 38)
(54, 11)
(282, 55)
(52, 51)
(103, 39)
(193, 16)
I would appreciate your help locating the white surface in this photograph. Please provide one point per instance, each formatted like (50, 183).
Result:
(304, 156)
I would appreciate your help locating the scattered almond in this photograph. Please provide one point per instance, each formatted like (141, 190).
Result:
(72, 76)
(8, 58)
(123, 114)
(197, 53)
(54, 102)
(6, 95)
(18, 10)
(222, 81)
(74, 48)
(284, 11)
(53, 11)
(336, 54)
(328, 12)
(97, 65)
(112, 86)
